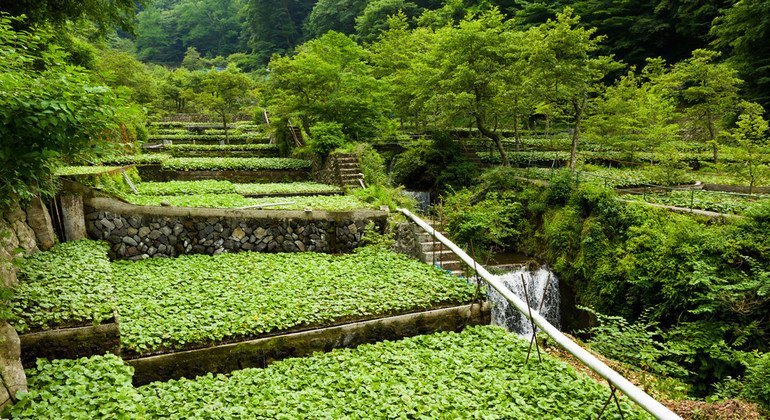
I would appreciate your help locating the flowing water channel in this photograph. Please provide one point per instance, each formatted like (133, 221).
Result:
(542, 289)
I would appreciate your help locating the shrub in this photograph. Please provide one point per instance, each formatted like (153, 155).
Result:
(757, 387)
(372, 164)
(325, 137)
(494, 222)
(381, 195)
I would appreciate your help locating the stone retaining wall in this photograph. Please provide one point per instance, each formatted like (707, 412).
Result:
(139, 232)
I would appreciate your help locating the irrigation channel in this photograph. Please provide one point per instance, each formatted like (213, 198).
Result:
(617, 381)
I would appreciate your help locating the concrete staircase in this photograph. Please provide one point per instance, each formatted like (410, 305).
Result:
(349, 170)
(435, 253)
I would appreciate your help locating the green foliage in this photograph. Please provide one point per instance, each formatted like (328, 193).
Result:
(104, 14)
(49, 110)
(64, 287)
(634, 344)
(123, 160)
(84, 170)
(225, 93)
(757, 387)
(372, 164)
(373, 20)
(232, 200)
(562, 61)
(214, 200)
(741, 31)
(185, 187)
(224, 164)
(98, 386)
(220, 147)
(333, 15)
(707, 91)
(328, 80)
(286, 188)
(752, 136)
(326, 137)
(478, 372)
(704, 200)
(493, 222)
(425, 162)
(382, 195)
(275, 28)
(195, 300)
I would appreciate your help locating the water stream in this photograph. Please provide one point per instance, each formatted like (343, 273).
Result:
(539, 283)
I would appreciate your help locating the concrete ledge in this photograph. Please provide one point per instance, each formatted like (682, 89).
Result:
(70, 343)
(261, 352)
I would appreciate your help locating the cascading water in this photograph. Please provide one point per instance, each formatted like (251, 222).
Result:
(539, 283)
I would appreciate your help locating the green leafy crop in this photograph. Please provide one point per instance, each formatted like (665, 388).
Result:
(479, 373)
(66, 286)
(320, 202)
(226, 187)
(185, 187)
(197, 300)
(286, 188)
(95, 387)
(245, 164)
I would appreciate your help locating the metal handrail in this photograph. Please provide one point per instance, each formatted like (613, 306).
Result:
(633, 392)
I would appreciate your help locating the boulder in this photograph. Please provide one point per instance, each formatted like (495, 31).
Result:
(26, 236)
(39, 220)
(11, 370)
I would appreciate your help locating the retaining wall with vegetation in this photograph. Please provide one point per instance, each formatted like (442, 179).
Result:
(139, 232)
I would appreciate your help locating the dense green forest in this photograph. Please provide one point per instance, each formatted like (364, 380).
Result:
(540, 127)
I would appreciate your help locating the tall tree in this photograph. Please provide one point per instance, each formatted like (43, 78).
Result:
(463, 74)
(374, 18)
(275, 26)
(742, 33)
(333, 15)
(706, 91)
(328, 79)
(225, 93)
(562, 58)
(635, 114)
(105, 14)
(157, 39)
(751, 135)
(213, 27)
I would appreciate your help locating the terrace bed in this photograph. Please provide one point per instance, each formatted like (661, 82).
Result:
(198, 302)
(478, 373)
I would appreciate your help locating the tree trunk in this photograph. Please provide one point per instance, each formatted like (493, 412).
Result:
(481, 125)
(224, 125)
(712, 137)
(578, 109)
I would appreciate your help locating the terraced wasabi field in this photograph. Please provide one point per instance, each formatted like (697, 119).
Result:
(195, 301)
(479, 373)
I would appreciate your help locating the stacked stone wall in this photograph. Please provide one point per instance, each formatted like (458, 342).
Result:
(136, 232)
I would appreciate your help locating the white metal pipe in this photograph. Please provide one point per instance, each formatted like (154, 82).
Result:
(633, 392)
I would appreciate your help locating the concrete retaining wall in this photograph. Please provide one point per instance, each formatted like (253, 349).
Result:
(138, 232)
(70, 343)
(261, 352)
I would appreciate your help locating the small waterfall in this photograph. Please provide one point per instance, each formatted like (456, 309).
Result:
(422, 197)
(541, 282)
